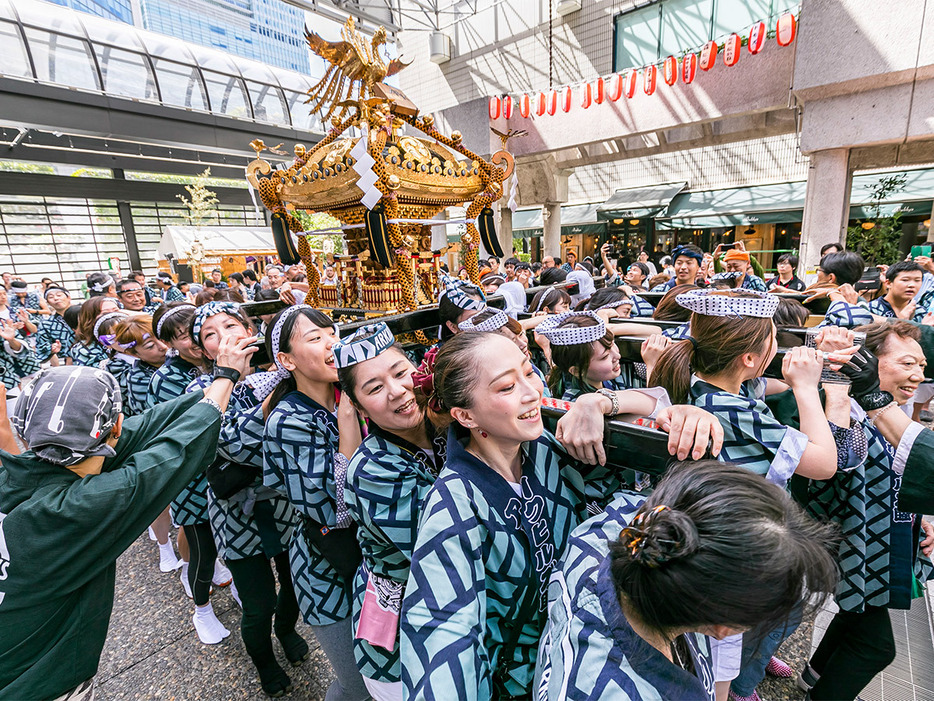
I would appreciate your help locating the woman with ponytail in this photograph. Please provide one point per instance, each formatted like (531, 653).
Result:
(494, 523)
(251, 523)
(311, 430)
(719, 367)
(646, 585)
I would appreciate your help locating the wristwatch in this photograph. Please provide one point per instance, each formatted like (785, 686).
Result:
(223, 373)
(874, 400)
(611, 395)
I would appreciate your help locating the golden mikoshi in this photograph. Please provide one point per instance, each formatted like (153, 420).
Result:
(389, 264)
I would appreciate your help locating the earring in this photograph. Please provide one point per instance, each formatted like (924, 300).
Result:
(483, 433)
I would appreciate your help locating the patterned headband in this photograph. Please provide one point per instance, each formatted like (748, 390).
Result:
(543, 301)
(457, 291)
(714, 303)
(100, 322)
(727, 276)
(571, 335)
(614, 305)
(365, 343)
(205, 312)
(263, 383)
(170, 312)
(493, 323)
(103, 284)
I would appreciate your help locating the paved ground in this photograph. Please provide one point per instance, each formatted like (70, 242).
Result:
(152, 650)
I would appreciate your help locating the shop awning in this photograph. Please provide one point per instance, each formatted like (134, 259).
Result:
(575, 219)
(784, 202)
(639, 202)
(743, 206)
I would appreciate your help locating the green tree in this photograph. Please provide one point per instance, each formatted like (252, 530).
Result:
(312, 221)
(876, 237)
(203, 203)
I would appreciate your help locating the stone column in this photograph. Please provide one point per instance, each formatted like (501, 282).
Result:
(826, 205)
(551, 242)
(930, 238)
(505, 228)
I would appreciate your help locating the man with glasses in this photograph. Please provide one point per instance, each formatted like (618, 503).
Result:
(133, 297)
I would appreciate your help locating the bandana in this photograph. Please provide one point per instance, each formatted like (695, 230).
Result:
(205, 312)
(571, 335)
(365, 343)
(263, 383)
(736, 254)
(104, 285)
(549, 297)
(456, 292)
(170, 312)
(715, 303)
(493, 279)
(687, 252)
(727, 276)
(52, 288)
(585, 285)
(100, 322)
(495, 322)
(614, 305)
(513, 293)
(65, 413)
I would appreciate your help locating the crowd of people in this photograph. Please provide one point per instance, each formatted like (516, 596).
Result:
(409, 504)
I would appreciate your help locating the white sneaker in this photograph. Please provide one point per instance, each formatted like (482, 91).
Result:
(222, 576)
(184, 578)
(168, 562)
(210, 630)
(152, 535)
(236, 595)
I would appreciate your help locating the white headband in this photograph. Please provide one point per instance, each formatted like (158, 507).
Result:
(715, 303)
(103, 285)
(170, 312)
(102, 318)
(493, 323)
(571, 335)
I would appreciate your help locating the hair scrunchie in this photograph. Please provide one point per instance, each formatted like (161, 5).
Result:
(424, 381)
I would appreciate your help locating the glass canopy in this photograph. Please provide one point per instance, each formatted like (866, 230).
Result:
(50, 44)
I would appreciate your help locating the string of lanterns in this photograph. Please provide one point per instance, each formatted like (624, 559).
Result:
(612, 88)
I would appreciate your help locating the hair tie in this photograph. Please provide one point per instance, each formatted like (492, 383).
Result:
(635, 536)
(423, 380)
(692, 340)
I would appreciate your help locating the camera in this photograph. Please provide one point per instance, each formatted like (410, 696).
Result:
(870, 280)
(260, 358)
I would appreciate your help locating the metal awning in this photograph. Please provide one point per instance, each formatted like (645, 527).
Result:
(639, 202)
(743, 206)
(575, 219)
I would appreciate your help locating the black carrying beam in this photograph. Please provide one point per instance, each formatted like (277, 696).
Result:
(628, 446)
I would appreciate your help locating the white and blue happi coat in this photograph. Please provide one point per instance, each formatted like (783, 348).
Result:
(880, 561)
(300, 444)
(589, 650)
(752, 437)
(256, 520)
(387, 481)
(190, 507)
(484, 552)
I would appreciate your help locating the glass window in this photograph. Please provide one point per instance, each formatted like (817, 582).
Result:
(63, 60)
(180, 85)
(15, 63)
(686, 24)
(126, 74)
(227, 94)
(636, 40)
(302, 117)
(268, 105)
(738, 15)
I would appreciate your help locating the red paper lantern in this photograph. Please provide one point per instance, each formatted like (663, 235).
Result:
(732, 50)
(615, 89)
(630, 83)
(786, 29)
(495, 107)
(586, 95)
(689, 68)
(567, 95)
(552, 103)
(756, 37)
(649, 78)
(507, 107)
(540, 104)
(525, 106)
(671, 70)
(708, 55)
(599, 90)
